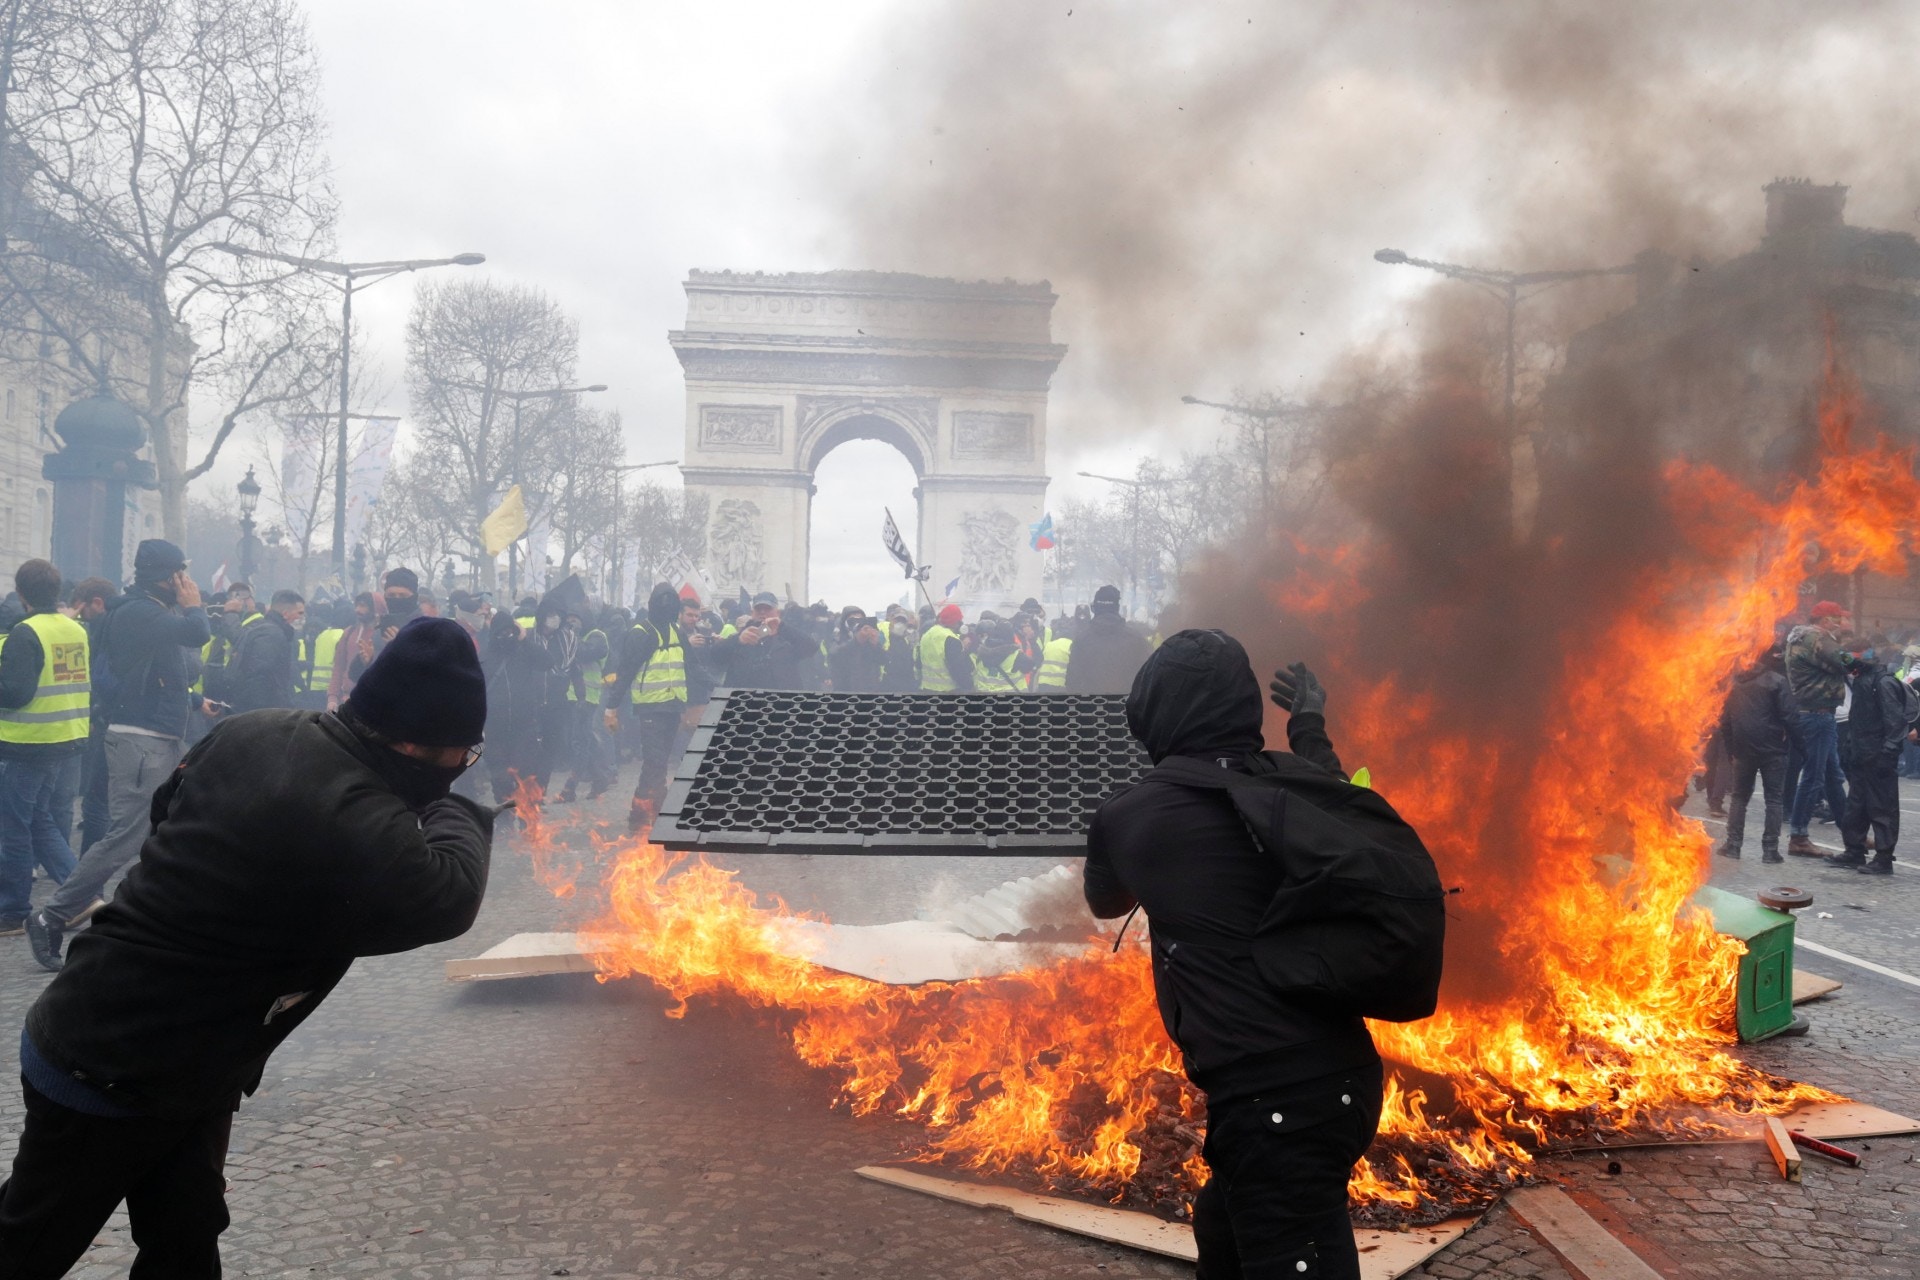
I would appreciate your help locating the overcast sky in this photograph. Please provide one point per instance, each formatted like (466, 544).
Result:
(1203, 182)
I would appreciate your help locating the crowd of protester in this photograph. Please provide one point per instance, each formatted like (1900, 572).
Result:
(1824, 722)
(102, 691)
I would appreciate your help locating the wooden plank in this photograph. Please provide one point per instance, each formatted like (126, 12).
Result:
(1384, 1255)
(526, 955)
(1570, 1231)
(911, 952)
(1785, 1154)
(1811, 986)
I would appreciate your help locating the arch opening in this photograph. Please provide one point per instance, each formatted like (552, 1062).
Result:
(856, 481)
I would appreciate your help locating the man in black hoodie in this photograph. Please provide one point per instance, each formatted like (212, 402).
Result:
(1293, 1092)
(286, 844)
(1756, 723)
(1876, 729)
(1106, 652)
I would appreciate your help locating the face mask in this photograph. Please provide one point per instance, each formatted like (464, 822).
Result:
(417, 782)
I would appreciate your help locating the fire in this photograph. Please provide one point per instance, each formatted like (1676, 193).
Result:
(1585, 998)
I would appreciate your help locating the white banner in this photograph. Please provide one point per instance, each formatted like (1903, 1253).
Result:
(533, 567)
(367, 471)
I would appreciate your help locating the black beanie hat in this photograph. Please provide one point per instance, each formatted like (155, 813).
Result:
(425, 687)
(156, 560)
(402, 577)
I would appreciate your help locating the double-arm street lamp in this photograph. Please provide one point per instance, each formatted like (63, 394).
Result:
(1266, 416)
(1134, 488)
(1507, 286)
(351, 275)
(620, 469)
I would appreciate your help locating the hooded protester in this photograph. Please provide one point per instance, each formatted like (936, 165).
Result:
(1757, 722)
(516, 676)
(1879, 725)
(650, 684)
(1293, 1091)
(1106, 652)
(858, 665)
(287, 844)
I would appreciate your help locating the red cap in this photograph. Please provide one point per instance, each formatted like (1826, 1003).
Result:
(1828, 609)
(950, 615)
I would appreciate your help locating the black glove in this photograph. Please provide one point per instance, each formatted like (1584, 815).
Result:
(1298, 691)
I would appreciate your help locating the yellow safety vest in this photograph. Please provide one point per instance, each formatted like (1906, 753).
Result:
(63, 701)
(934, 675)
(664, 678)
(325, 645)
(592, 674)
(1053, 664)
(999, 679)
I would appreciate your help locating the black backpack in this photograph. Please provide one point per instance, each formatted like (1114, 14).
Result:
(1358, 925)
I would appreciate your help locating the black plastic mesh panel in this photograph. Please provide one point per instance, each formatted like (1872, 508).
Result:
(934, 773)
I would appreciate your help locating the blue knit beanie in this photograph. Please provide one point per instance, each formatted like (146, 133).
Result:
(425, 687)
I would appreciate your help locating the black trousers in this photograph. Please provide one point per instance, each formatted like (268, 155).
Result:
(1772, 773)
(1275, 1203)
(1873, 801)
(73, 1170)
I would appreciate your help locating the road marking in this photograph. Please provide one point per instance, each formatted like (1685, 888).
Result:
(1868, 965)
(1816, 844)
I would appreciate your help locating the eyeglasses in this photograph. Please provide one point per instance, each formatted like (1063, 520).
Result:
(473, 754)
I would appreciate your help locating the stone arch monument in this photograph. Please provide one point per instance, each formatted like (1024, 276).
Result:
(782, 369)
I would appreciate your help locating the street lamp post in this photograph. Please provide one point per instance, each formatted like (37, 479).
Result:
(249, 491)
(1133, 530)
(350, 275)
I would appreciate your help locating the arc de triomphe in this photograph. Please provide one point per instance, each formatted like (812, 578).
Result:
(781, 369)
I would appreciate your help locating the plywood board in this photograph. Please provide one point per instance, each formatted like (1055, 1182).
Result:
(914, 951)
(1833, 1121)
(1570, 1231)
(1811, 986)
(1383, 1254)
(526, 955)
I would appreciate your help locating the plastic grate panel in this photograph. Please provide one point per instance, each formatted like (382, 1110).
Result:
(772, 771)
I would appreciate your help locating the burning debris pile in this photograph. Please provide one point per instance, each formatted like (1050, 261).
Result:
(1580, 1003)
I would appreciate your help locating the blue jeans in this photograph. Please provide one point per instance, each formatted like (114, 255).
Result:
(36, 823)
(1819, 757)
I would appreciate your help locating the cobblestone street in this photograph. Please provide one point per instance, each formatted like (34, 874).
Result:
(556, 1126)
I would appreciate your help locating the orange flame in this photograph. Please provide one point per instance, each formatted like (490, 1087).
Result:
(1598, 1000)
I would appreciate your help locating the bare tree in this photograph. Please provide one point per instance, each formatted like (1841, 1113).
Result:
(469, 341)
(142, 135)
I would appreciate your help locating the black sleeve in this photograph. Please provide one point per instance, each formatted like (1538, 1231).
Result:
(1893, 713)
(429, 876)
(20, 664)
(1785, 711)
(635, 649)
(1106, 896)
(190, 629)
(958, 665)
(1307, 738)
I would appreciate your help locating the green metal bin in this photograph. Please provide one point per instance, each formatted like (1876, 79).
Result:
(1763, 997)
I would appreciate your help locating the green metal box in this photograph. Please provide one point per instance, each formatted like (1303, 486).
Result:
(1764, 994)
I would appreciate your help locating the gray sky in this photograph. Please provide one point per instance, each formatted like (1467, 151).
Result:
(1204, 182)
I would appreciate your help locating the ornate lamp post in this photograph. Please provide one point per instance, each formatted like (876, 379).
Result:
(249, 491)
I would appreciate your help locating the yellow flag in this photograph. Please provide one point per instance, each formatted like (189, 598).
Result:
(506, 524)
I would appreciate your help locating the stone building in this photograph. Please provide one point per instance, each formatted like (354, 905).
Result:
(40, 379)
(782, 369)
(1726, 360)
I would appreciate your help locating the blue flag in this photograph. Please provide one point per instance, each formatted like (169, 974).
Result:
(951, 588)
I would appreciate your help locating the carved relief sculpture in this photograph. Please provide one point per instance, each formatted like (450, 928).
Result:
(737, 428)
(738, 558)
(981, 434)
(988, 566)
